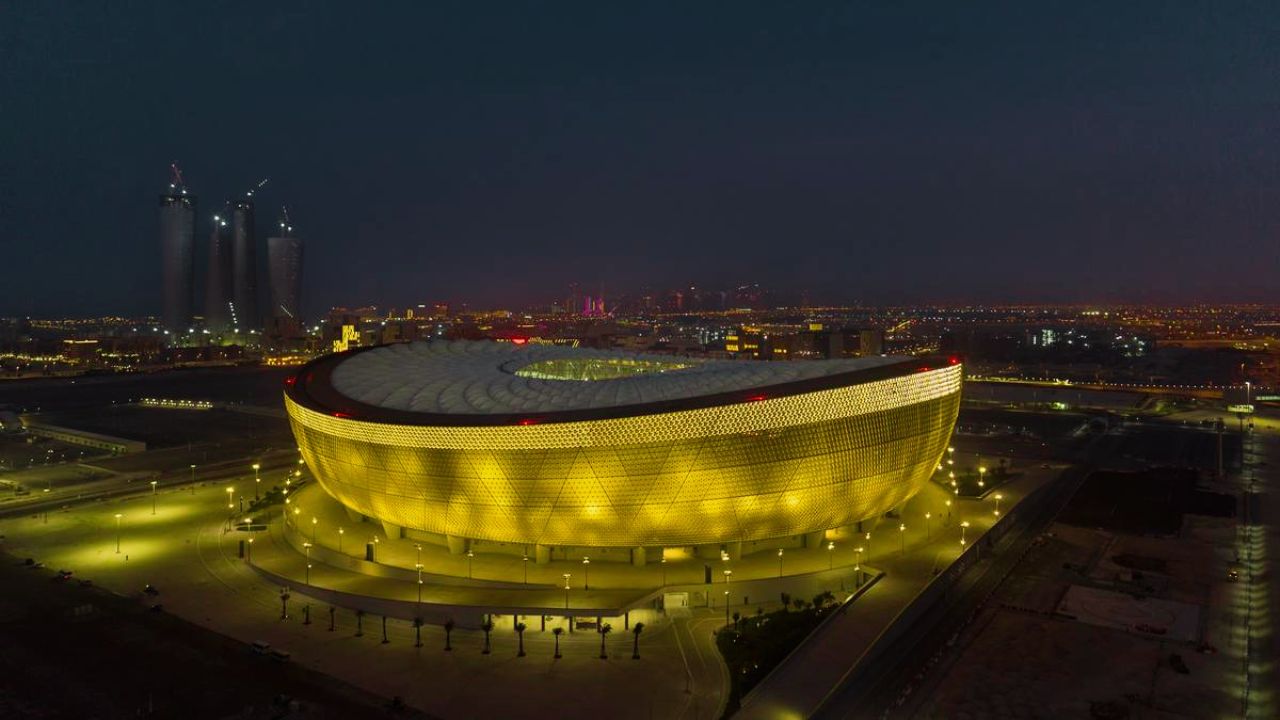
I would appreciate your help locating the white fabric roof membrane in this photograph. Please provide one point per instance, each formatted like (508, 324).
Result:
(479, 377)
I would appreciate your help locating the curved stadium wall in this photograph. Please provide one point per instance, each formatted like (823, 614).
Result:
(762, 467)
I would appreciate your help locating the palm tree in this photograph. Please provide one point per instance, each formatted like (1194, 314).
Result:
(799, 603)
(604, 631)
(417, 632)
(520, 628)
(359, 623)
(487, 627)
(558, 632)
(448, 634)
(736, 617)
(635, 647)
(786, 600)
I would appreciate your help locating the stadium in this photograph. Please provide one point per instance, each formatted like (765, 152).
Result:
(497, 447)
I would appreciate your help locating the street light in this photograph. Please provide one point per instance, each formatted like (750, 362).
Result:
(831, 563)
(257, 480)
(948, 510)
(857, 562)
(524, 562)
(469, 556)
(964, 525)
(566, 590)
(982, 474)
(727, 573)
(153, 497)
(193, 479)
(999, 497)
(779, 562)
(726, 607)
(586, 573)
(307, 546)
(868, 539)
(341, 532)
(230, 502)
(928, 529)
(419, 567)
(902, 534)
(118, 516)
(663, 563)
(248, 553)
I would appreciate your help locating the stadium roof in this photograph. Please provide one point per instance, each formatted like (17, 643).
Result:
(490, 378)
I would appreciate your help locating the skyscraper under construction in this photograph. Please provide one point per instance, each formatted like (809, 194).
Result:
(244, 268)
(284, 267)
(177, 255)
(218, 316)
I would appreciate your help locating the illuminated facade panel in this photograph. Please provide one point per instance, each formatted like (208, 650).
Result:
(785, 461)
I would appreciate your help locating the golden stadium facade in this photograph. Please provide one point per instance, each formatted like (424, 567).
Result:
(555, 446)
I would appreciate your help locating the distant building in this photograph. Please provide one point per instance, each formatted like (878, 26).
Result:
(218, 317)
(284, 271)
(244, 268)
(871, 342)
(177, 258)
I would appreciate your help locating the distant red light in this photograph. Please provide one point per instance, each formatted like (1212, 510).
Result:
(924, 368)
(953, 360)
(290, 380)
(519, 341)
(757, 398)
(341, 415)
(527, 421)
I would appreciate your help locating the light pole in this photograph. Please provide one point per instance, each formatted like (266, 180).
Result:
(982, 476)
(857, 561)
(419, 567)
(727, 573)
(868, 539)
(902, 534)
(231, 491)
(663, 563)
(524, 562)
(469, 556)
(586, 573)
(193, 479)
(928, 526)
(999, 497)
(831, 562)
(779, 562)
(153, 497)
(964, 525)
(307, 546)
(118, 516)
(257, 479)
(948, 510)
(726, 608)
(314, 521)
(341, 532)
(248, 552)
(566, 592)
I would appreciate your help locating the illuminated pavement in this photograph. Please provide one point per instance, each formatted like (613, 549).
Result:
(183, 551)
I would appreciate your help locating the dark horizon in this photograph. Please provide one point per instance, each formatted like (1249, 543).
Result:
(933, 154)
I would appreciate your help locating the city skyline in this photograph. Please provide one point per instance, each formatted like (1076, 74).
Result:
(930, 154)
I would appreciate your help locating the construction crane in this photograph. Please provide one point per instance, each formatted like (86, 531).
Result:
(285, 223)
(176, 175)
(258, 187)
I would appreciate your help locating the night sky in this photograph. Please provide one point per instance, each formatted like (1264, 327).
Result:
(492, 153)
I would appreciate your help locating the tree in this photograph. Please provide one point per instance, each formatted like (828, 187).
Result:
(635, 647)
(786, 601)
(448, 634)
(799, 603)
(359, 623)
(520, 628)
(558, 632)
(737, 616)
(487, 627)
(417, 632)
(604, 631)
(823, 599)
